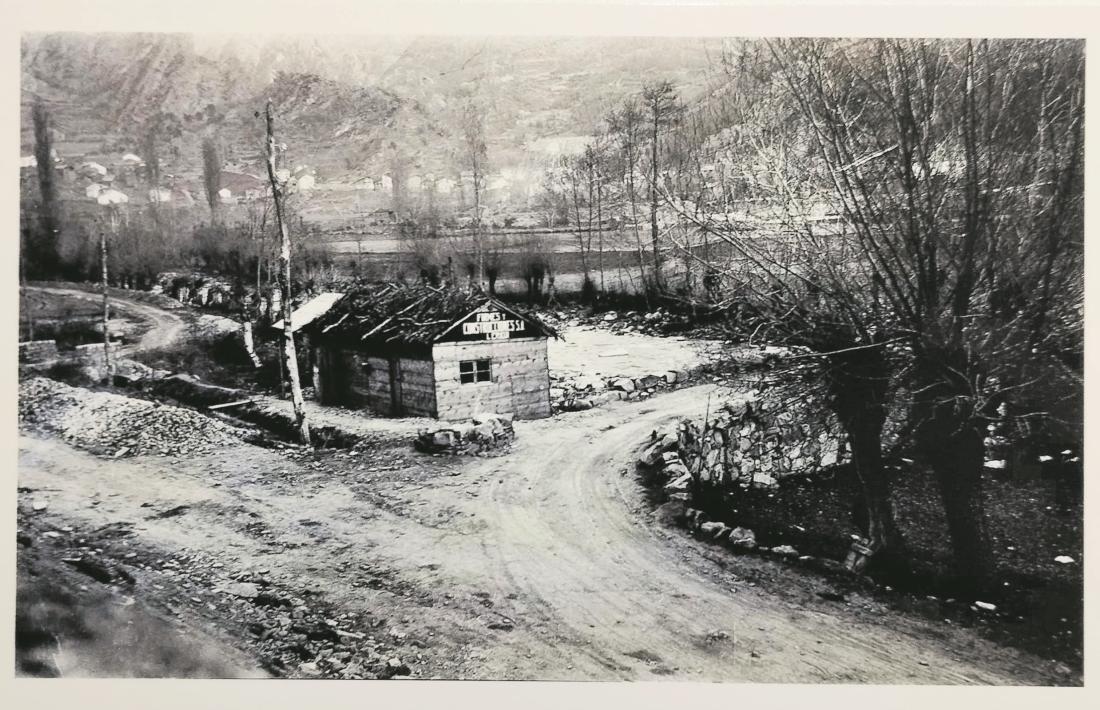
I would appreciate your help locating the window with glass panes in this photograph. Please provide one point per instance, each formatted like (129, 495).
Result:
(470, 371)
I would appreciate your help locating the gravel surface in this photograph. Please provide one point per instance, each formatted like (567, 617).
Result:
(113, 425)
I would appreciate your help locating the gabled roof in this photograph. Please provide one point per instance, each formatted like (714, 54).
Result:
(392, 314)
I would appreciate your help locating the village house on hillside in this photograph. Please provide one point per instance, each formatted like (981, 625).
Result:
(420, 351)
(241, 186)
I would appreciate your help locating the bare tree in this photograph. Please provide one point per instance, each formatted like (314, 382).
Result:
(953, 174)
(595, 161)
(289, 354)
(971, 148)
(572, 172)
(663, 110)
(496, 246)
(44, 253)
(626, 125)
(211, 175)
(475, 157)
(535, 265)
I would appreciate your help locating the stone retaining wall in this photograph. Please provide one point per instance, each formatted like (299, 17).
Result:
(751, 442)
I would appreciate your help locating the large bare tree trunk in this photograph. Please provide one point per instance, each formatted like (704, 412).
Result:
(958, 466)
(289, 354)
(952, 445)
(860, 384)
(951, 441)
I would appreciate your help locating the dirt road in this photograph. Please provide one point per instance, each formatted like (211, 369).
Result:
(569, 531)
(544, 563)
(165, 327)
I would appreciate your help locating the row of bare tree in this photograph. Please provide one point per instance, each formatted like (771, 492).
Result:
(912, 212)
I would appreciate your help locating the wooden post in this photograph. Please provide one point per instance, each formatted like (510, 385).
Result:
(289, 353)
(106, 303)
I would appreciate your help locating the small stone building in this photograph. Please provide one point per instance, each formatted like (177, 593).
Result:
(422, 351)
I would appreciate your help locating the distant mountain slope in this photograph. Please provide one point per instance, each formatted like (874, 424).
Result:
(341, 130)
(105, 93)
(346, 106)
(119, 82)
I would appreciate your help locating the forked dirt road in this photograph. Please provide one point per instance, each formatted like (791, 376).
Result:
(165, 327)
(544, 563)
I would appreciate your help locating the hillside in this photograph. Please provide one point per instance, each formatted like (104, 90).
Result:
(346, 105)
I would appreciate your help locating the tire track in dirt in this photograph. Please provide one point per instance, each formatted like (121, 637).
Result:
(571, 534)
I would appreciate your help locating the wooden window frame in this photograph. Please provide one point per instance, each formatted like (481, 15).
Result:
(472, 372)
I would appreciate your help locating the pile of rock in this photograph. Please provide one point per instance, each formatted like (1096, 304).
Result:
(485, 432)
(116, 426)
(134, 372)
(656, 322)
(574, 394)
(698, 522)
(295, 631)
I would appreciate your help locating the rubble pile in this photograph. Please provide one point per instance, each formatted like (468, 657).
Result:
(295, 632)
(485, 432)
(113, 425)
(698, 522)
(656, 322)
(574, 394)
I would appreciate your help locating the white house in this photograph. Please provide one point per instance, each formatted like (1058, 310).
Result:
(160, 194)
(93, 190)
(444, 186)
(387, 183)
(28, 161)
(225, 196)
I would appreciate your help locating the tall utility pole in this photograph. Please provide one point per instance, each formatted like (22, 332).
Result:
(289, 353)
(112, 200)
(106, 302)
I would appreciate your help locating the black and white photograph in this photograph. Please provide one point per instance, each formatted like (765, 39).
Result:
(550, 357)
